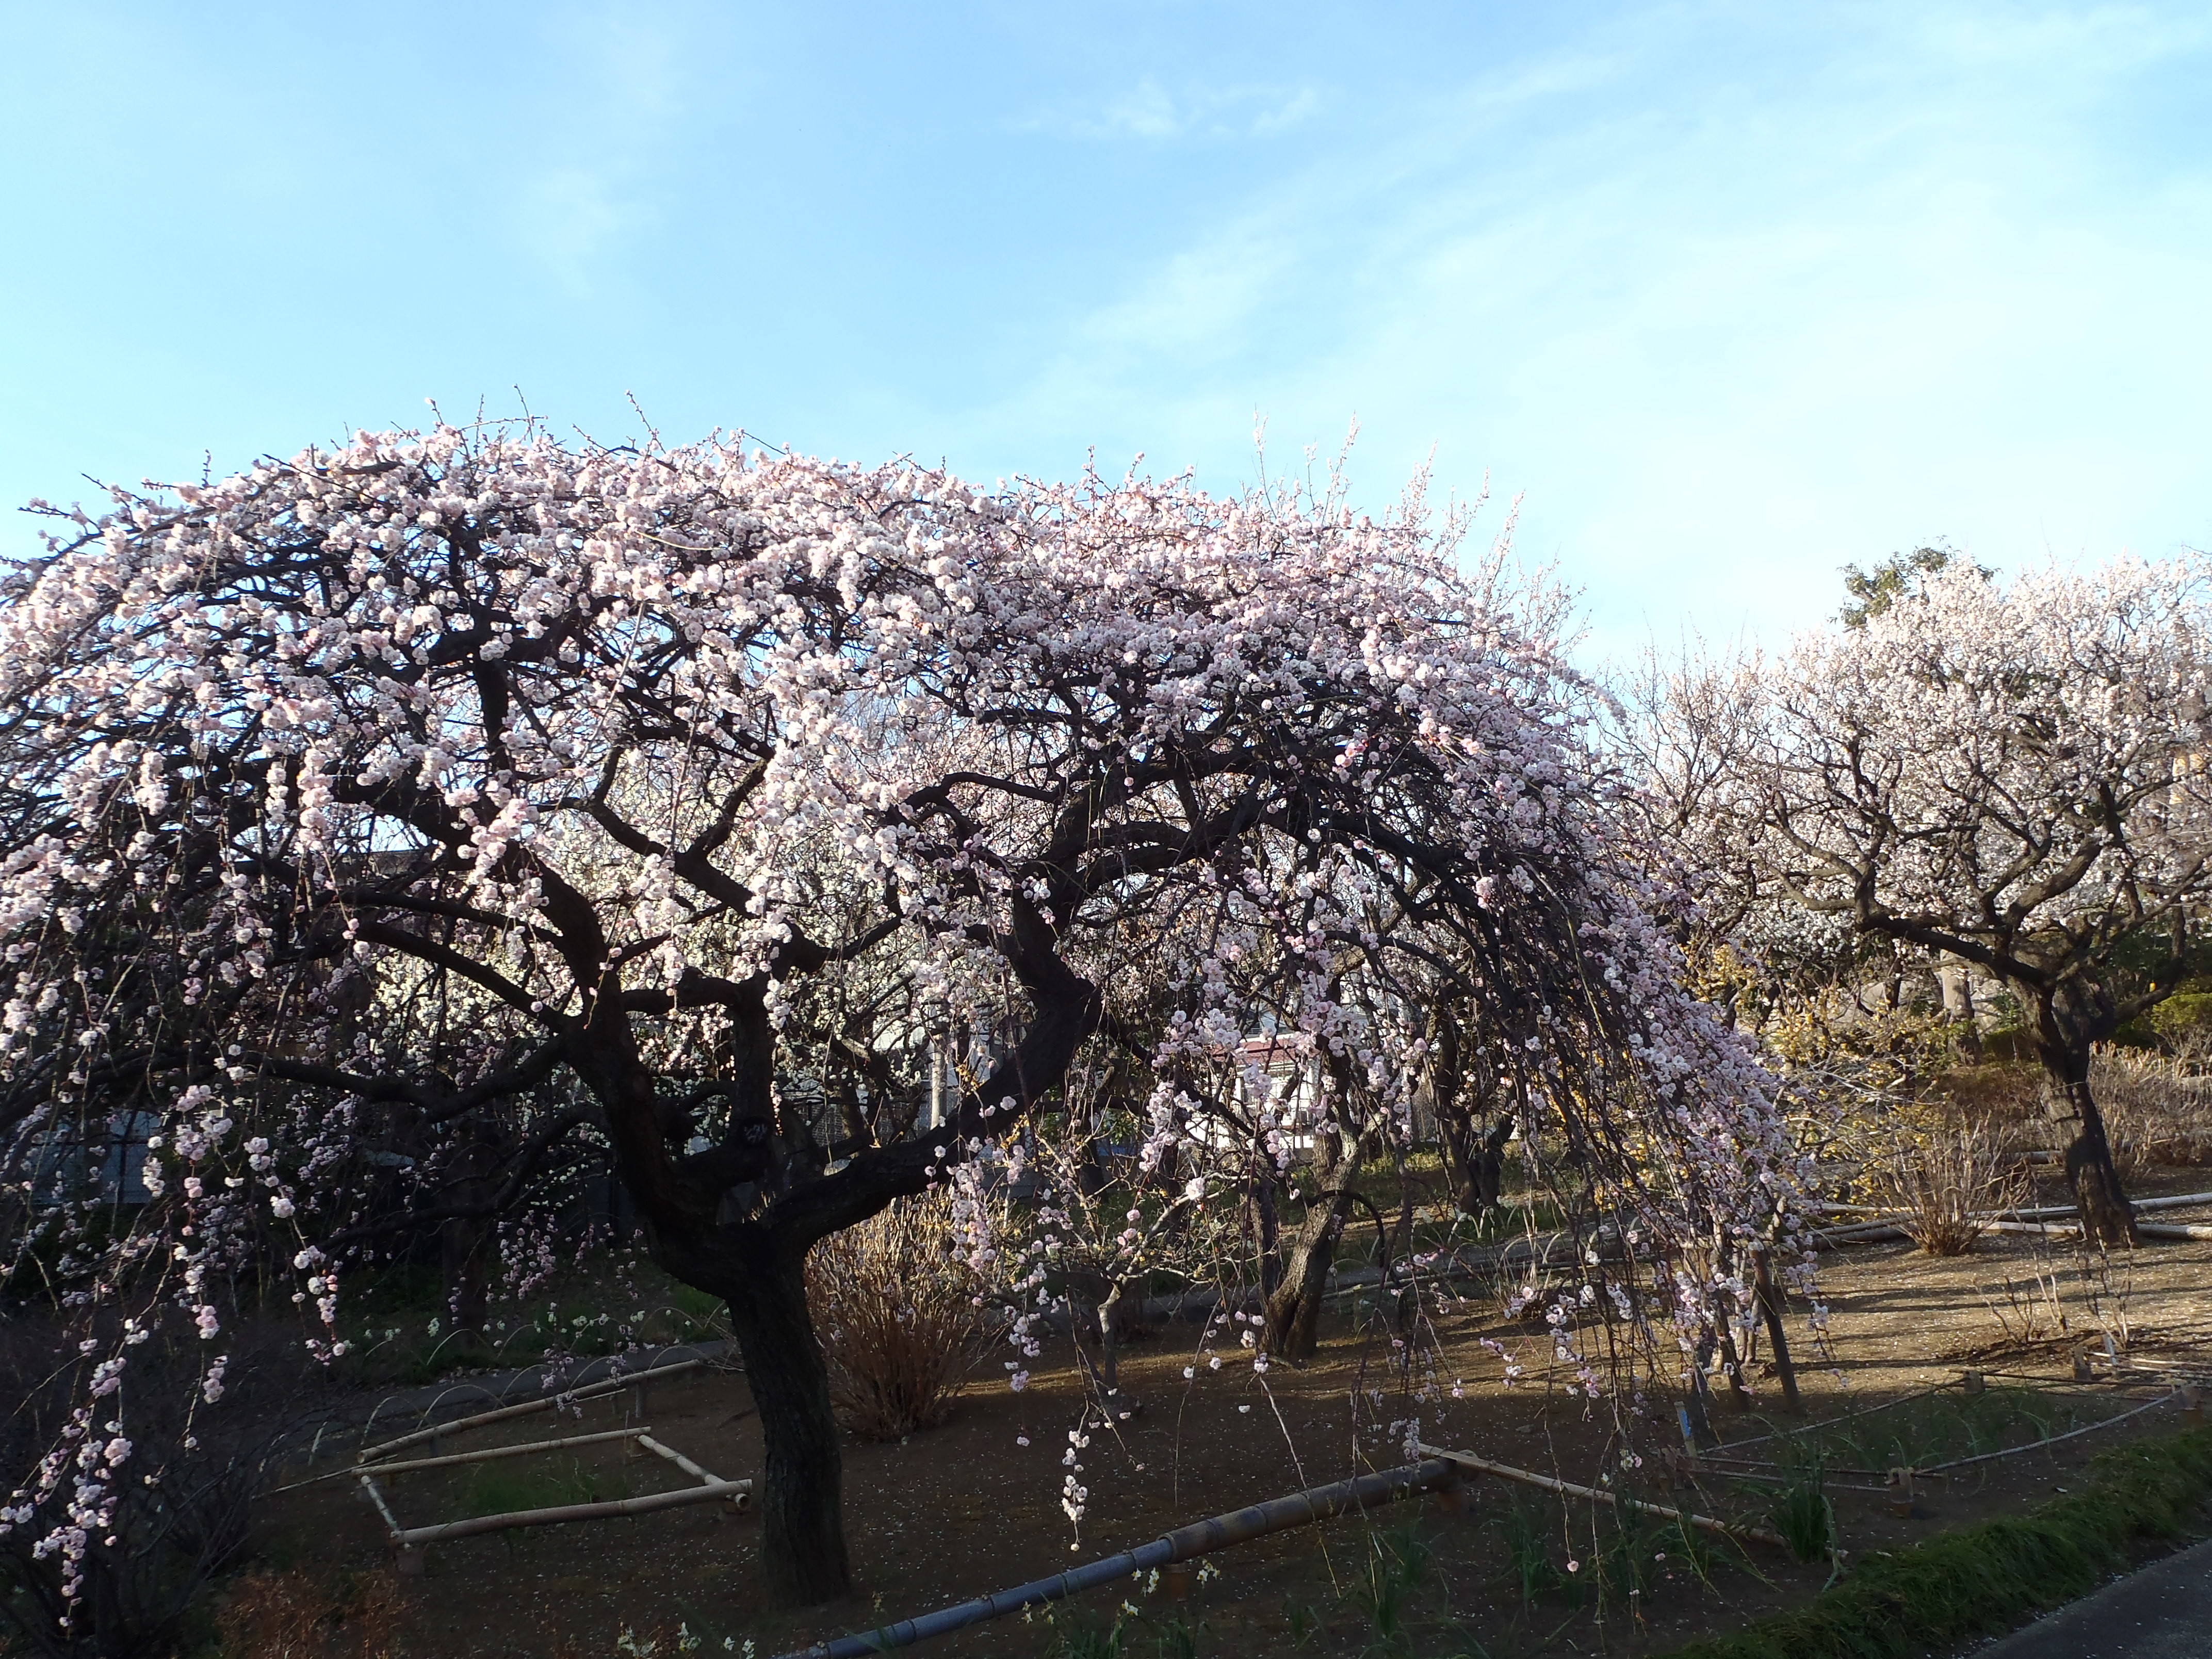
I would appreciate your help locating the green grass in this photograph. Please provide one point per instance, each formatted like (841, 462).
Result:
(1939, 1427)
(400, 1333)
(503, 1488)
(1988, 1578)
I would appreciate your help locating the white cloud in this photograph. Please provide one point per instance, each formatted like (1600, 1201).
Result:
(1153, 112)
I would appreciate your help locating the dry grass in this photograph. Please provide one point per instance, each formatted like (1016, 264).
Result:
(1944, 1181)
(289, 1615)
(2156, 1110)
(899, 1316)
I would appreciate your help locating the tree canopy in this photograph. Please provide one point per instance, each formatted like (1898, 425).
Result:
(696, 792)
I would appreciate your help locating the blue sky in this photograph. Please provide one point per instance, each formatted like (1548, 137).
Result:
(1728, 294)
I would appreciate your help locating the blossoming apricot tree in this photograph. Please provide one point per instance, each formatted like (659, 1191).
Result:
(716, 785)
(2014, 776)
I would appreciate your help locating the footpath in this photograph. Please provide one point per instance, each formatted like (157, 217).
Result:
(2162, 1612)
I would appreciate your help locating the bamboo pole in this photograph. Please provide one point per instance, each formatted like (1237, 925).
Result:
(1875, 1232)
(376, 1497)
(1530, 1477)
(2047, 1212)
(674, 1457)
(1869, 1232)
(482, 1455)
(2051, 1440)
(1278, 1514)
(1830, 1422)
(2148, 1229)
(593, 1391)
(738, 1492)
(2176, 1201)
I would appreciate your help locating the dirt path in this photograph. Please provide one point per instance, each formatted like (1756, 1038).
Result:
(2162, 1612)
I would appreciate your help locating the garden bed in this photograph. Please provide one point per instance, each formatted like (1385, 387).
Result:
(968, 1508)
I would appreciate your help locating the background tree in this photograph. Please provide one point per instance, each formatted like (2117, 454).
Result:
(726, 785)
(1901, 575)
(2011, 777)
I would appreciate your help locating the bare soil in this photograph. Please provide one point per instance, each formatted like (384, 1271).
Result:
(968, 1509)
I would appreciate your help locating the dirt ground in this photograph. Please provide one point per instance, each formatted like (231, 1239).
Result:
(969, 1508)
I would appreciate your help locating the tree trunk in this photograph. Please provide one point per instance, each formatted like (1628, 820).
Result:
(1732, 1368)
(2107, 1218)
(1490, 1166)
(1959, 1011)
(1769, 1309)
(2071, 1018)
(1266, 1230)
(1724, 1334)
(1404, 1301)
(1095, 1306)
(1294, 1330)
(801, 1491)
(463, 1242)
(1476, 1167)
(1698, 1400)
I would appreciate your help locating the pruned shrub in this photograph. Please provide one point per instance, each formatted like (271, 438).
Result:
(2156, 1110)
(1946, 1181)
(902, 1318)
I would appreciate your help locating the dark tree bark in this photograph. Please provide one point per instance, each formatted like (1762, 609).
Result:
(463, 1245)
(801, 1489)
(1770, 1311)
(1724, 1331)
(1732, 1368)
(1698, 1400)
(2071, 1018)
(1293, 1329)
(464, 1240)
(1265, 1226)
(1473, 1159)
(1399, 1248)
(2107, 1217)
(1475, 1162)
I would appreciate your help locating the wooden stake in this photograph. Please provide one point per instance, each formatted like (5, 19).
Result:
(1902, 1494)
